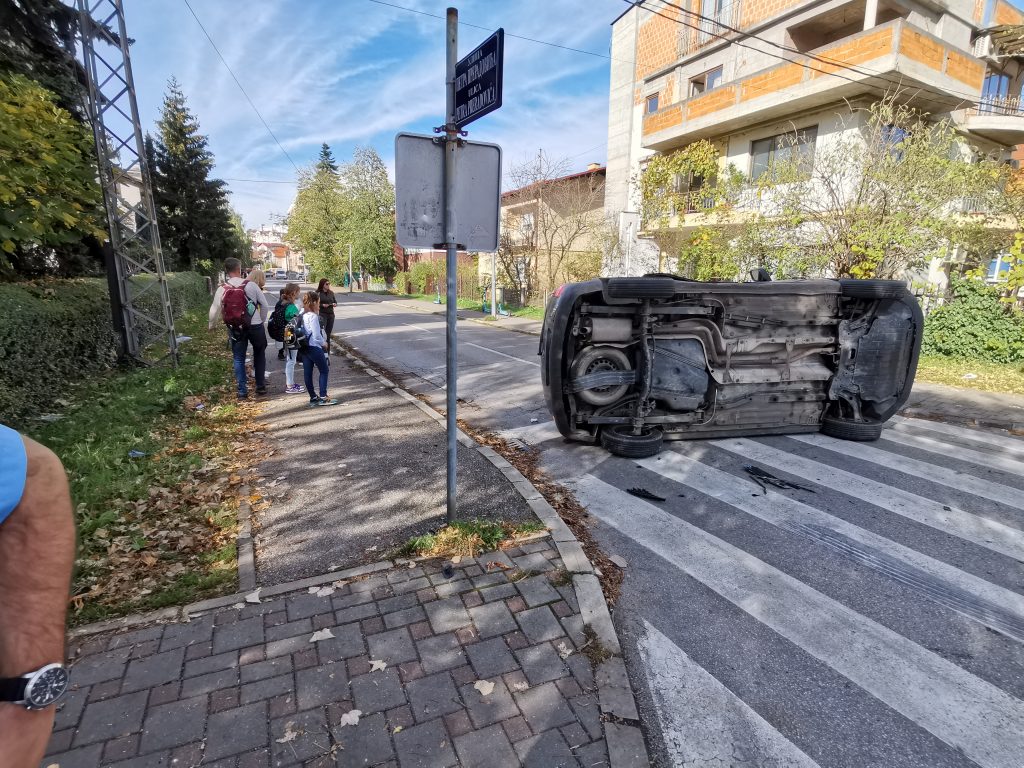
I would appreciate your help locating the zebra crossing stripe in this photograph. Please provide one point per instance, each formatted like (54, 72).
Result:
(980, 600)
(700, 718)
(934, 473)
(997, 460)
(985, 723)
(979, 530)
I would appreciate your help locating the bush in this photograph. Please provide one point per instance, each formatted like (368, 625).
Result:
(54, 332)
(401, 282)
(975, 325)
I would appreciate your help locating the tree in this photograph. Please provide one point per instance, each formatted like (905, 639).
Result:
(314, 223)
(875, 200)
(49, 198)
(368, 213)
(37, 40)
(192, 209)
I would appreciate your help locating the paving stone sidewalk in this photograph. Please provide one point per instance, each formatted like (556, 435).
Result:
(243, 686)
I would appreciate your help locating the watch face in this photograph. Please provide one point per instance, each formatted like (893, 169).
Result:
(47, 686)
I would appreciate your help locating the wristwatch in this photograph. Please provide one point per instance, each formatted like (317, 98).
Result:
(35, 690)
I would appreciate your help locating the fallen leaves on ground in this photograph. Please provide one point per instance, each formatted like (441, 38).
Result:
(563, 501)
(378, 665)
(321, 634)
(253, 597)
(486, 687)
(351, 717)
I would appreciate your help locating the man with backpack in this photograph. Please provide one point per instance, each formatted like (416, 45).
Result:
(243, 307)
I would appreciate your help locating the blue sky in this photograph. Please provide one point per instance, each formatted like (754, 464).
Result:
(352, 72)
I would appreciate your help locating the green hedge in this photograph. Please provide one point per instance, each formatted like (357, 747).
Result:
(975, 325)
(54, 332)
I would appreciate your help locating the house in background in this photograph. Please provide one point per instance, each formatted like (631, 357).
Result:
(748, 74)
(270, 249)
(552, 231)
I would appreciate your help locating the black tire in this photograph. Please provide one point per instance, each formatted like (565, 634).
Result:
(619, 440)
(640, 287)
(872, 289)
(847, 429)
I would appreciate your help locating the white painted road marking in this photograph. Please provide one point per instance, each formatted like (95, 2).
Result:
(790, 514)
(956, 522)
(701, 719)
(951, 478)
(967, 713)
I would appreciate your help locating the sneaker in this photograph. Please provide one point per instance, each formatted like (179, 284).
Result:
(243, 395)
(314, 403)
(295, 389)
(261, 390)
(327, 401)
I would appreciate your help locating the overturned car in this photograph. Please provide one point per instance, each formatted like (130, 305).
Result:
(635, 361)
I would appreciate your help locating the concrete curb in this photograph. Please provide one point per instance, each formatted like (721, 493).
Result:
(624, 738)
(245, 555)
(1014, 428)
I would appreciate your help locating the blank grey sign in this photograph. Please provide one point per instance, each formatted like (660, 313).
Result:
(419, 193)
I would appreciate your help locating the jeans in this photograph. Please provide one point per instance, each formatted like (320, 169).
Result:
(257, 336)
(314, 356)
(289, 367)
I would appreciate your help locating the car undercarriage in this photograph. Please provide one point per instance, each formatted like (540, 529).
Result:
(634, 361)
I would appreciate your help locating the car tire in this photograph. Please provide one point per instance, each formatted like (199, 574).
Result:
(848, 429)
(641, 287)
(619, 440)
(873, 289)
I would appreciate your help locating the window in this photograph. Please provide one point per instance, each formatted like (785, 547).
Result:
(706, 81)
(652, 103)
(994, 92)
(783, 148)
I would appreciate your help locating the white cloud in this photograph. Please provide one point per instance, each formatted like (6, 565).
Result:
(354, 72)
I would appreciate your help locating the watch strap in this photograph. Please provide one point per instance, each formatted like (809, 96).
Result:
(13, 688)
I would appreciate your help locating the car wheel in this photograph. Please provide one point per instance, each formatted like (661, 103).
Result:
(873, 289)
(619, 440)
(641, 287)
(848, 429)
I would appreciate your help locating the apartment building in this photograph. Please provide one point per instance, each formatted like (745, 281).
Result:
(747, 74)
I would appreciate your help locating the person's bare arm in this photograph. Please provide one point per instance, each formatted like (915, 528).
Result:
(215, 308)
(37, 550)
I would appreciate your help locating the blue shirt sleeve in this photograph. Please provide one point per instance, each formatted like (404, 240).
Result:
(13, 467)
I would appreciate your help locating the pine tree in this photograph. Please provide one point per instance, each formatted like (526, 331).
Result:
(192, 209)
(326, 162)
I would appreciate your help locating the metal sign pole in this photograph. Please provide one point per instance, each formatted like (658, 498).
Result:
(350, 276)
(494, 285)
(451, 146)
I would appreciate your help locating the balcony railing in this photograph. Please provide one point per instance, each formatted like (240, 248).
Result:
(710, 28)
(999, 105)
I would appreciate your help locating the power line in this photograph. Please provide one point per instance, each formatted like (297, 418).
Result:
(507, 34)
(239, 84)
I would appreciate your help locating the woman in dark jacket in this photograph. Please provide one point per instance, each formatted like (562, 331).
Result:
(327, 304)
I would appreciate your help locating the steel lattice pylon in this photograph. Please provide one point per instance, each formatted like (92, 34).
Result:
(126, 181)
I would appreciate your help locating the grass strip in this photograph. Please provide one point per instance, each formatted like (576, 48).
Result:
(468, 538)
(158, 459)
(1007, 378)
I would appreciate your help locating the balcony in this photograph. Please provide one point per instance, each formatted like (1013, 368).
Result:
(998, 119)
(932, 72)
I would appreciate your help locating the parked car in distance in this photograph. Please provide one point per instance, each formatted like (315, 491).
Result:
(292, 275)
(280, 274)
(630, 362)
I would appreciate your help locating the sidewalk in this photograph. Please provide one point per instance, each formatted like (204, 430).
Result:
(508, 659)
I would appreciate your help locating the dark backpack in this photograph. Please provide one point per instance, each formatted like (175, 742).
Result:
(235, 306)
(276, 323)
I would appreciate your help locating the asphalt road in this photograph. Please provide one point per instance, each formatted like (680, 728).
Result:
(874, 620)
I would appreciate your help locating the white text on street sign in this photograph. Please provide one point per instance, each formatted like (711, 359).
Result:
(478, 80)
